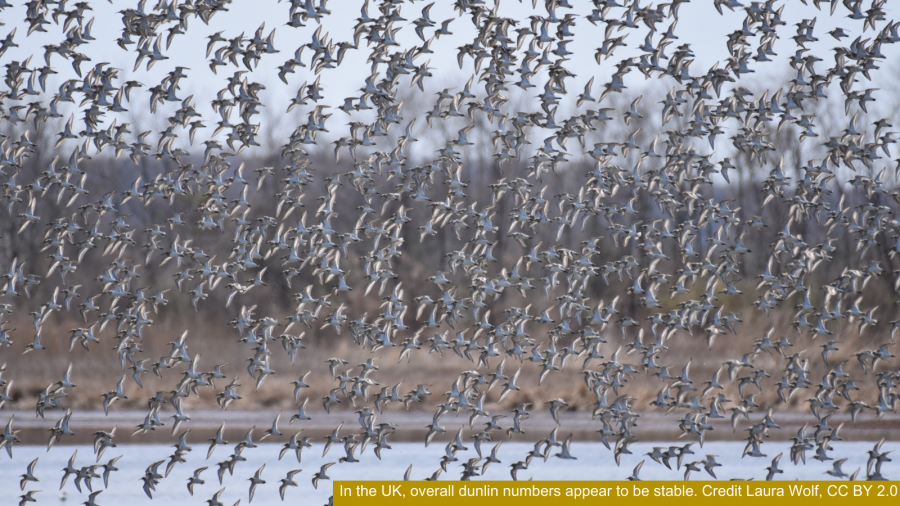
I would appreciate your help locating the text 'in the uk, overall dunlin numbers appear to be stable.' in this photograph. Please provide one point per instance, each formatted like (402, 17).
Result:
(500, 493)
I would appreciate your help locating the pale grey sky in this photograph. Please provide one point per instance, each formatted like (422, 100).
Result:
(699, 24)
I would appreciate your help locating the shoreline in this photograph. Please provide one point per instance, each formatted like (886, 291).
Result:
(650, 427)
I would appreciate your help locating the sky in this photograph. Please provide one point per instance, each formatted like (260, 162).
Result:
(699, 24)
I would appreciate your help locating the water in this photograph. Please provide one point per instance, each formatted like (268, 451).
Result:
(594, 462)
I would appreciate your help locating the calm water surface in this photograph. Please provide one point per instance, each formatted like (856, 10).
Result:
(594, 462)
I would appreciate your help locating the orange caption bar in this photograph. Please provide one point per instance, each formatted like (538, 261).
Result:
(533, 493)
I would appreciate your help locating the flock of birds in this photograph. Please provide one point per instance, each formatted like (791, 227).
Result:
(669, 217)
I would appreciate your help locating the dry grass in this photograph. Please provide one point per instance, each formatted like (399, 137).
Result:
(97, 371)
